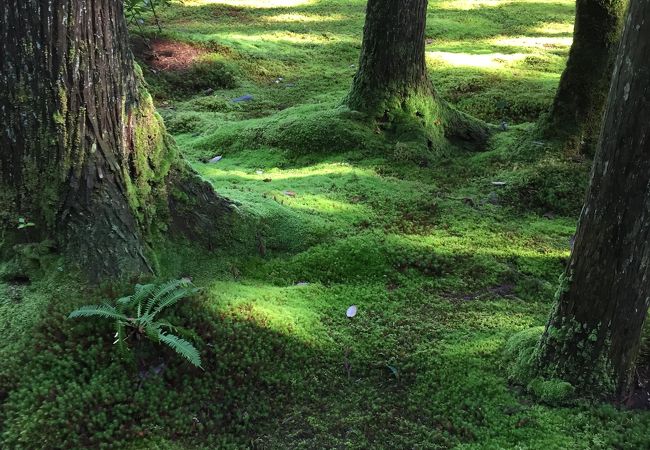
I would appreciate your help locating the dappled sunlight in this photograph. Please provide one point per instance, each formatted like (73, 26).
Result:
(276, 174)
(488, 61)
(303, 18)
(251, 3)
(565, 28)
(286, 310)
(468, 4)
(259, 40)
(308, 207)
(490, 243)
(464, 5)
(320, 204)
(290, 37)
(541, 42)
(293, 188)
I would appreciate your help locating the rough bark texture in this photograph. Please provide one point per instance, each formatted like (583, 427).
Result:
(576, 114)
(592, 338)
(392, 62)
(392, 83)
(83, 153)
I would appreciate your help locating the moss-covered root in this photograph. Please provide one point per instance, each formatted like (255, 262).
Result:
(200, 215)
(521, 356)
(464, 130)
(419, 117)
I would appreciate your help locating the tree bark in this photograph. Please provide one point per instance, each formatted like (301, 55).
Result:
(592, 338)
(392, 82)
(392, 62)
(576, 114)
(83, 154)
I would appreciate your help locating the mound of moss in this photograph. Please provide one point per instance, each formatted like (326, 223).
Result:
(324, 129)
(520, 355)
(555, 188)
(208, 74)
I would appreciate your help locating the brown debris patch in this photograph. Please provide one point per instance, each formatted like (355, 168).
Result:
(239, 14)
(166, 55)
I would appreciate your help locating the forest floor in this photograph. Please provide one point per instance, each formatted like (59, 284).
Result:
(445, 256)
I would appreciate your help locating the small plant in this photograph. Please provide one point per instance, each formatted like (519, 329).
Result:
(135, 9)
(24, 223)
(136, 315)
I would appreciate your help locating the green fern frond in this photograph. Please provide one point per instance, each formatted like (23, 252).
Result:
(124, 300)
(142, 292)
(152, 331)
(172, 297)
(150, 299)
(161, 291)
(166, 324)
(182, 347)
(106, 311)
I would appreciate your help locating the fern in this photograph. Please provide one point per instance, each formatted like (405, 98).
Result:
(182, 347)
(105, 311)
(138, 312)
(163, 290)
(142, 291)
(173, 297)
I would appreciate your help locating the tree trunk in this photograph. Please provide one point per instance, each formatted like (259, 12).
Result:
(84, 155)
(392, 83)
(576, 114)
(392, 63)
(593, 335)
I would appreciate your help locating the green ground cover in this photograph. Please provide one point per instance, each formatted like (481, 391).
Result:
(443, 264)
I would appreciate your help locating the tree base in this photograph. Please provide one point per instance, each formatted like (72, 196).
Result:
(521, 358)
(419, 117)
(197, 212)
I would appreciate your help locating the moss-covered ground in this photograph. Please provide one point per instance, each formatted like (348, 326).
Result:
(446, 257)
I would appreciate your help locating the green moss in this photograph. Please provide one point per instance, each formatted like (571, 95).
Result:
(521, 357)
(300, 130)
(574, 352)
(208, 73)
(552, 186)
(152, 154)
(443, 266)
(551, 391)
(521, 353)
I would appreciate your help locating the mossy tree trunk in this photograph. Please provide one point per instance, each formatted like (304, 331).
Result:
(576, 114)
(592, 338)
(392, 82)
(83, 153)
